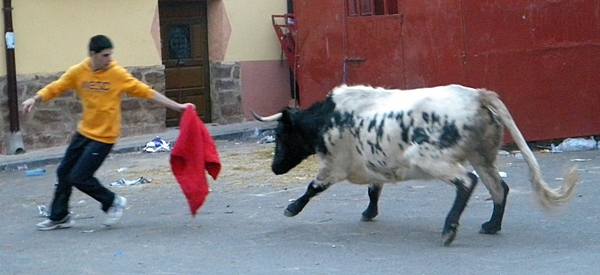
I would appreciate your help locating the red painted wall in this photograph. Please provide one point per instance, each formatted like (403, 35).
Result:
(265, 87)
(320, 53)
(542, 57)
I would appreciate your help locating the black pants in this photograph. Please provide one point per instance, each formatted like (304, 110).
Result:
(83, 157)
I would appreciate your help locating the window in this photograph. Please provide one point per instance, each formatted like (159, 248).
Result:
(179, 42)
(371, 7)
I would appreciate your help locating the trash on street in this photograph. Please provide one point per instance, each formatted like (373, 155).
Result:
(35, 172)
(267, 137)
(157, 145)
(124, 182)
(575, 144)
(43, 211)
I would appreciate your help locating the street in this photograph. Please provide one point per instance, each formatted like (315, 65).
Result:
(241, 228)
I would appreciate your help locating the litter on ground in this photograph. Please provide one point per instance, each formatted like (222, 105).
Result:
(575, 144)
(124, 182)
(157, 145)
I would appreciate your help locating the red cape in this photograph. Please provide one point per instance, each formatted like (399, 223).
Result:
(193, 153)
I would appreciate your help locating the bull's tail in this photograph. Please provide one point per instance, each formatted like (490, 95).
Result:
(547, 196)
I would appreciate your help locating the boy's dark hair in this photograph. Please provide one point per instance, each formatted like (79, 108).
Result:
(99, 43)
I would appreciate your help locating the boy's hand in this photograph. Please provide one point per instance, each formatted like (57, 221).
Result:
(28, 105)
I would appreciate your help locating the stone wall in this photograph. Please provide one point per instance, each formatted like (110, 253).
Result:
(226, 92)
(54, 122)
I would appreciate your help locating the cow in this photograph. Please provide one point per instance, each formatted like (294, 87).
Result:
(371, 135)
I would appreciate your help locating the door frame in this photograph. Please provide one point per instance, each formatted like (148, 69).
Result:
(207, 104)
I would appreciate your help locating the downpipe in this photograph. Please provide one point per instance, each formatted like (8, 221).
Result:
(14, 140)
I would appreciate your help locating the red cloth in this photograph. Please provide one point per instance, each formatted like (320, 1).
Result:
(193, 153)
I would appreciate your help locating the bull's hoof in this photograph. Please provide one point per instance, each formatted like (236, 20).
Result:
(449, 234)
(449, 238)
(489, 228)
(368, 215)
(366, 219)
(290, 211)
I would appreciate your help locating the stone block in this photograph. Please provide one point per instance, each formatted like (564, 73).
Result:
(236, 72)
(230, 97)
(221, 72)
(226, 85)
(131, 104)
(230, 110)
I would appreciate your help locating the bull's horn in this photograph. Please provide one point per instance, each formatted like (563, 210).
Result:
(274, 117)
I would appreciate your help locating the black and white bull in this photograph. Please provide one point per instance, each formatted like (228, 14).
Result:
(374, 136)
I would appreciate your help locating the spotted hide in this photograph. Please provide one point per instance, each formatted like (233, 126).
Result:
(374, 136)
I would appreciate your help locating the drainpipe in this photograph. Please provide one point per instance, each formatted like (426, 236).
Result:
(14, 141)
(294, 89)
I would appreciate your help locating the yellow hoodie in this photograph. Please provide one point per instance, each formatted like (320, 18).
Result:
(100, 94)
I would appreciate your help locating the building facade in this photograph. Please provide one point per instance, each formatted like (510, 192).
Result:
(222, 55)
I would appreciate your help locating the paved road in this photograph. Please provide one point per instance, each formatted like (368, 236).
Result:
(241, 228)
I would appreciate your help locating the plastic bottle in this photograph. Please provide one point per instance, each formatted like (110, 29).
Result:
(35, 172)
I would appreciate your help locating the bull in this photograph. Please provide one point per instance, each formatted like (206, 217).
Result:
(373, 136)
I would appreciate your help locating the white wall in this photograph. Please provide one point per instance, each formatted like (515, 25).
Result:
(50, 36)
(252, 35)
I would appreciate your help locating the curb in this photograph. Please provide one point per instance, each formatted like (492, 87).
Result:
(51, 160)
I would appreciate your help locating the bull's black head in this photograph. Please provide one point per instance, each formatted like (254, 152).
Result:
(293, 143)
(298, 134)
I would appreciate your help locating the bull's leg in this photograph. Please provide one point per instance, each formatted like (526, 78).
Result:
(495, 223)
(372, 211)
(463, 193)
(312, 190)
(454, 174)
(499, 191)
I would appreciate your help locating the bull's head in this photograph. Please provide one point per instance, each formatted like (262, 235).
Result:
(291, 143)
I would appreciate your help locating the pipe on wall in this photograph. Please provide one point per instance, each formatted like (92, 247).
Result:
(11, 77)
(294, 89)
(14, 139)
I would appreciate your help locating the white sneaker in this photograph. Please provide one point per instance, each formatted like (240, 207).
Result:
(49, 224)
(115, 211)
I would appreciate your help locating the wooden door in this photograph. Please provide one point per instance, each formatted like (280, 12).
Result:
(184, 38)
(374, 53)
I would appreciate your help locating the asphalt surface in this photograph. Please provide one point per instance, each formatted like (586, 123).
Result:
(241, 228)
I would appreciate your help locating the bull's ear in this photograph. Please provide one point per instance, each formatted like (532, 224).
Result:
(286, 117)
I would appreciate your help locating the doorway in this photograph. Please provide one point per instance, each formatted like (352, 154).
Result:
(373, 43)
(184, 41)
